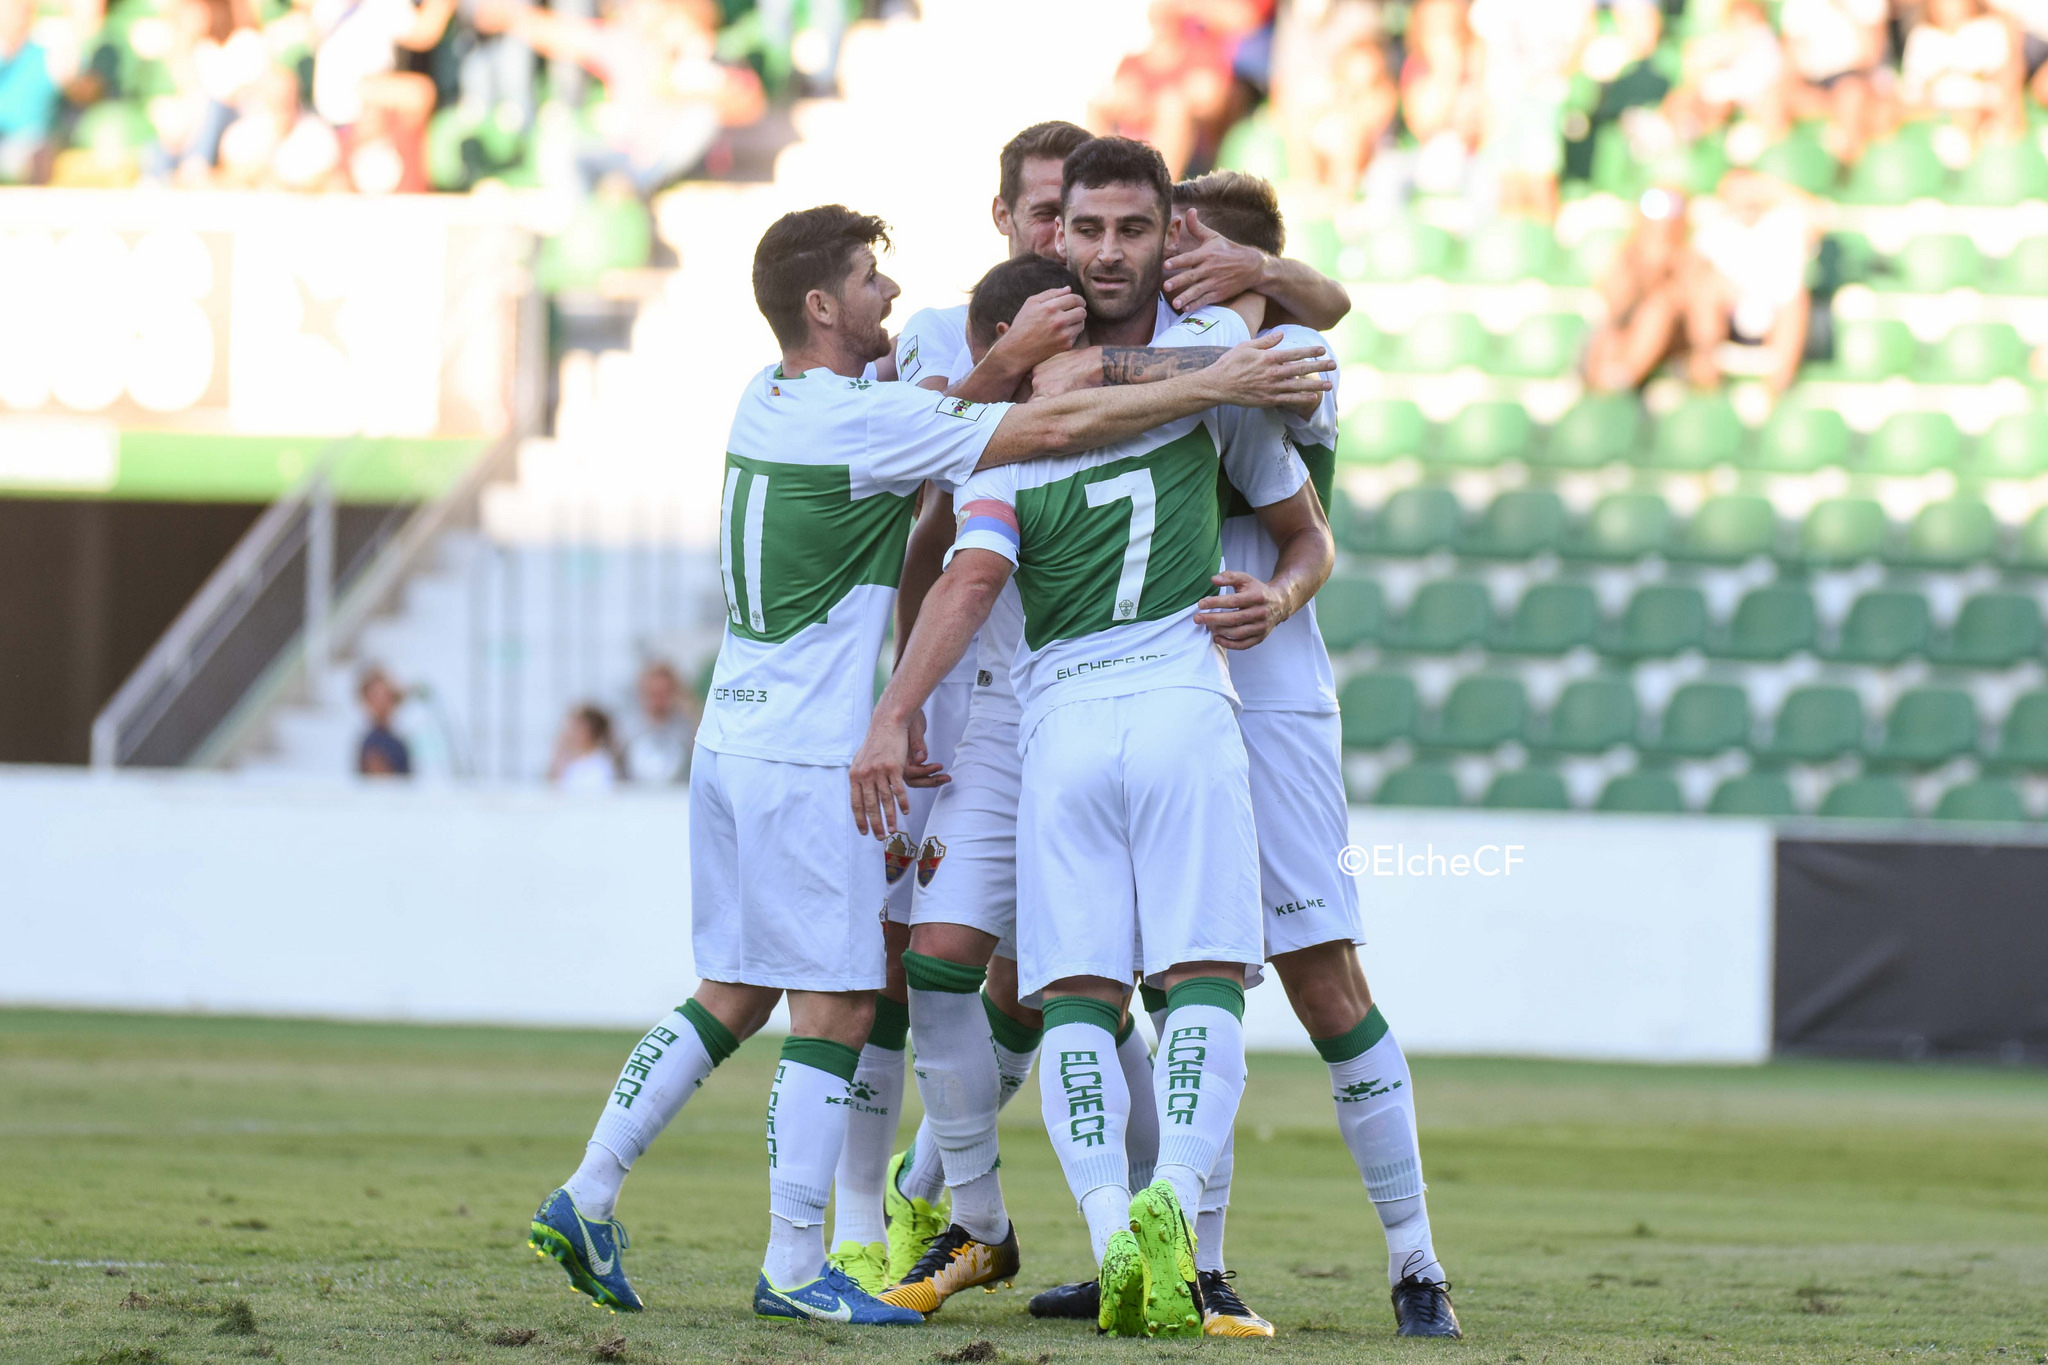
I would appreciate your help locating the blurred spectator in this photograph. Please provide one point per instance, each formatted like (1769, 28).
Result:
(382, 752)
(666, 94)
(1529, 53)
(584, 759)
(659, 734)
(819, 70)
(276, 144)
(1337, 98)
(1638, 24)
(215, 56)
(2030, 17)
(1837, 55)
(1963, 63)
(1644, 293)
(1177, 94)
(1442, 100)
(28, 96)
(1737, 67)
(378, 111)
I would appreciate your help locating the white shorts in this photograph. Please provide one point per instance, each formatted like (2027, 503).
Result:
(945, 717)
(1297, 776)
(1135, 845)
(784, 891)
(967, 864)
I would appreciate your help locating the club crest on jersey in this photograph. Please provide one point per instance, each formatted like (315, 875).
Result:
(1197, 324)
(907, 364)
(897, 856)
(928, 859)
(965, 409)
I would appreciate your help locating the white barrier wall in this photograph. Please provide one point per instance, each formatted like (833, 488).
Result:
(1614, 937)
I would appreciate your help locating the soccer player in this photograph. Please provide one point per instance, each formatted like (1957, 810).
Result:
(821, 467)
(1288, 714)
(1129, 743)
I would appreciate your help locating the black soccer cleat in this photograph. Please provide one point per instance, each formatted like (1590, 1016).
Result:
(1422, 1308)
(1081, 1299)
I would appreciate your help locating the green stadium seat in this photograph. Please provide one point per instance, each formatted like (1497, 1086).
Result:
(2023, 739)
(1801, 440)
(2026, 270)
(1842, 531)
(1441, 342)
(1526, 789)
(1504, 250)
(1484, 434)
(1703, 719)
(1884, 628)
(1419, 784)
(1355, 340)
(1897, 171)
(1661, 620)
(1979, 352)
(1349, 611)
(1911, 443)
(1641, 793)
(1623, 526)
(2031, 550)
(1939, 261)
(2016, 447)
(1415, 521)
(1595, 433)
(1592, 715)
(1378, 709)
(1927, 727)
(1445, 617)
(1769, 623)
(1993, 630)
(1701, 433)
(1482, 712)
(1348, 522)
(1379, 430)
(1801, 160)
(1855, 259)
(1815, 725)
(1256, 146)
(1551, 618)
(1949, 535)
(1764, 796)
(1543, 347)
(1516, 525)
(1314, 240)
(1986, 799)
(1874, 348)
(1407, 251)
(1868, 798)
(1729, 530)
(2001, 174)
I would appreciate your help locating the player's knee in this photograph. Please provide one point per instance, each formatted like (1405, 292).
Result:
(1325, 988)
(959, 943)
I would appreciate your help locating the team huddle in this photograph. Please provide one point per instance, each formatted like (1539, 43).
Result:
(1107, 757)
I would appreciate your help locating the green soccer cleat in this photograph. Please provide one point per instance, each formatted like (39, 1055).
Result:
(912, 1222)
(1121, 1310)
(1168, 1251)
(866, 1265)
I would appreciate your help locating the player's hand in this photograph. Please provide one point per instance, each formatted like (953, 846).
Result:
(919, 771)
(1047, 325)
(1068, 372)
(880, 799)
(1212, 269)
(1261, 373)
(1245, 614)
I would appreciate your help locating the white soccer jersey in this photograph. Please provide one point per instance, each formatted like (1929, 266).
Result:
(819, 475)
(934, 342)
(1290, 669)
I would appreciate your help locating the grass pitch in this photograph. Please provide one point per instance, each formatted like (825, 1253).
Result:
(213, 1190)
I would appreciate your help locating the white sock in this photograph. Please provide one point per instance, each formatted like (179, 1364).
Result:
(1375, 1100)
(874, 1101)
(1086, 1105)
(806, 1129)
(1197, 1080)
(665, 1069)
(1141, 1138)
(960, 1086)
(924, 1174)
(978, 1208)
(1215, 1207)
(1016, 1048)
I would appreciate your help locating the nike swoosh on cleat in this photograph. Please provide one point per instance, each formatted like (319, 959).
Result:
(597, 1266)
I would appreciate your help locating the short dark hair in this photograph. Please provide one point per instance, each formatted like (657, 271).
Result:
(1242, 207)
(1004, 289)
(1054, 141)
(1118, 161)
(806, 250)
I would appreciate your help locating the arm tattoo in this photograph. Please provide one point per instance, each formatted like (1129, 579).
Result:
(1149, 364)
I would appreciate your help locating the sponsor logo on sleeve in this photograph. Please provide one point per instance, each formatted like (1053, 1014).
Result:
(908, 366)
(962, 408)
(1197, 324)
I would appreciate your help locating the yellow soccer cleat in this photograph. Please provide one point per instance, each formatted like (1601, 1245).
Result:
(912, 1223)
(1223, 1313)
(1121, 1312)
(867, 1265)
(954, 1261)
(1168, 1250)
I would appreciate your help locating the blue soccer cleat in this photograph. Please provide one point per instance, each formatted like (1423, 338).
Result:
(832, 1297)
(589, 1251)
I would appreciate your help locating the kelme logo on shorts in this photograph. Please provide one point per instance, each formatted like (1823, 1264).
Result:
(928, 859)
(897, 856)
(963, 408)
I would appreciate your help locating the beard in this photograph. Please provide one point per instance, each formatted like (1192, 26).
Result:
(1140, 294)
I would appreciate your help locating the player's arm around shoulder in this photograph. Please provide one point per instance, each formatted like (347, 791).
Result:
(1253, 609)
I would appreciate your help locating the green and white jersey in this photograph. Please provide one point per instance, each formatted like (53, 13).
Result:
(1290, 669)
(1114, 547)
(820, 471)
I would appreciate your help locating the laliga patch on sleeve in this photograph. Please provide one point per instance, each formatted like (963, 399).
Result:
(907, 363)
(1197, 324)
(965, 409)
